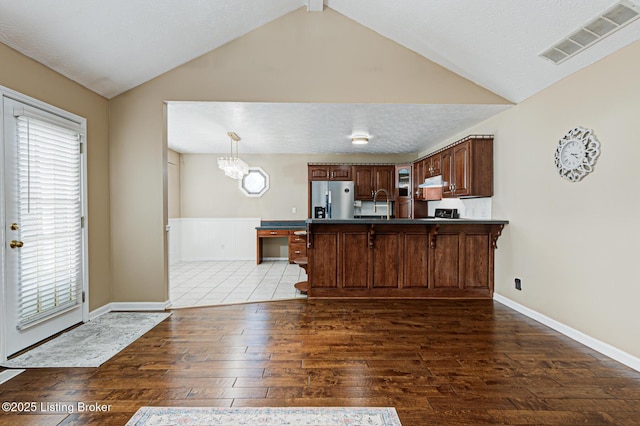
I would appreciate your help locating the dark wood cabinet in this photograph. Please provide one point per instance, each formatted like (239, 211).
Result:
(433, 165)
(463, 261)
(404, 191)
(446, 166)
(297, 246)
(363, 182)
(418, 177)
(404, 208)
(402, 260)
(368, 179)
(329, 172)
(467, 168)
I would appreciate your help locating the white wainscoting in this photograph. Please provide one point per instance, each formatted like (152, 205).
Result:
(212, 239)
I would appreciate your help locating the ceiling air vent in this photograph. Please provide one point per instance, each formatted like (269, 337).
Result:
(609, 22)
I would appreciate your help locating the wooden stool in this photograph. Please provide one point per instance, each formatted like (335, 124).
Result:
(302, 286)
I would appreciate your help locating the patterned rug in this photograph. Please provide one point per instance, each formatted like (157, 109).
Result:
(295, 416)
(91, 344)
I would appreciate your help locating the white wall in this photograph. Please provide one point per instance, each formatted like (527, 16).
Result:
(198, 239)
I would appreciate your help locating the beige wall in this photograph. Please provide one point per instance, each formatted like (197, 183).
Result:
(173, 184)
(575, 245)
(301, 57)
(23, 75)
(206, 192)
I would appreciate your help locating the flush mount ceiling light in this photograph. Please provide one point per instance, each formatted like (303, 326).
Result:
(233, 166)
(616, 17)
(359, 139)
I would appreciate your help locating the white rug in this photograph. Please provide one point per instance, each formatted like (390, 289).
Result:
(91, 344)
(272, 416)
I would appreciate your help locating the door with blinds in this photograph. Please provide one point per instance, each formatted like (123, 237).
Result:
(44, 217)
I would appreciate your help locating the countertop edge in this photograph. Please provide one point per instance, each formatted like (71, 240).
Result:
(429, 221)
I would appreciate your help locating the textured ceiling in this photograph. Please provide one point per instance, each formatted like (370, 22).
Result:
(494, 43)
(112, 46)
(201, 127)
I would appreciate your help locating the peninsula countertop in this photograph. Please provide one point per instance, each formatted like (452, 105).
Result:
(423, 221)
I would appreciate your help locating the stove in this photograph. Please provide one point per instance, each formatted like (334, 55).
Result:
(447, 214)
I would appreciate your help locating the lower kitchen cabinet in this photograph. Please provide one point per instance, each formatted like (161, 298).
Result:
(297, 246)
(403, 261)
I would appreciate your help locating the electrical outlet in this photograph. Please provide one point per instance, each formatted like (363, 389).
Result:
(294, 210)
(518, 284)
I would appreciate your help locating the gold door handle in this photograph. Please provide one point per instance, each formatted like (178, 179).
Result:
(16, 244)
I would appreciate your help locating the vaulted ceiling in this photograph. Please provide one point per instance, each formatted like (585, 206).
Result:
(113, 46)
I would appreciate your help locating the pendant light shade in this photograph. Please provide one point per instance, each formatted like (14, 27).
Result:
(233, 166)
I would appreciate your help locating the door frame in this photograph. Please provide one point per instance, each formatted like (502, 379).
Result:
(8, 93)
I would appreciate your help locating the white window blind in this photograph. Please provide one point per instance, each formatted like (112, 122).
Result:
(49, 213)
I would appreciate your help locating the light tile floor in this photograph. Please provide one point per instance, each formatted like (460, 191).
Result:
(235, 281)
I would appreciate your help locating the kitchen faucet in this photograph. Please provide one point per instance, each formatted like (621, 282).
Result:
(375, 207)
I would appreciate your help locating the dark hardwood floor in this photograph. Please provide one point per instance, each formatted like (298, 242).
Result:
(441, 362)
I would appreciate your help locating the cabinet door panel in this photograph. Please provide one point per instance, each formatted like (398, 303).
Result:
(403, 209)
(461, 169)
(363, 186)
(403, 181)
(384, 179)
(416, 261)
(477, 262)
(355, 272)
(324, 261)
(318, 172)
(436, 164)
(446, 159)
(386, 260)
(446, 261)
(340, 172)
(418, 178)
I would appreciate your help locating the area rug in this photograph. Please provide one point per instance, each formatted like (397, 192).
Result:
(272, 416)
(91, 344)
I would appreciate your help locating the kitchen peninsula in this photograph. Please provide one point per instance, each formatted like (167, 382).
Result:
(402, 258)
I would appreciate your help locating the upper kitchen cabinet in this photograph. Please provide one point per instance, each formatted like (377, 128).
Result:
(403, 181)
(330, 172)
(433, 165)
(467, 168)
(403, 191)
(369, 179)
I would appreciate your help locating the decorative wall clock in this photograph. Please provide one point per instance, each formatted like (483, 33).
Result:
(576, 153)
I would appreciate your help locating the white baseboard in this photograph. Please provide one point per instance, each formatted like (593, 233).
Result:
(207, 259)
(595, 344)
(129, 306)
(7, 375)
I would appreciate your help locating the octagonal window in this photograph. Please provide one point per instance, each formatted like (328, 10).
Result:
(255, 183)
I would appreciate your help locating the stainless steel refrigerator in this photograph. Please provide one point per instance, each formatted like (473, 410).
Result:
(332, 199)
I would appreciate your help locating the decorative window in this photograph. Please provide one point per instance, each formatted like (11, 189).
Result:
(255, 183)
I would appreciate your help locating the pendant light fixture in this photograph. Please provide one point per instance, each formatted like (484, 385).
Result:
(233, 166)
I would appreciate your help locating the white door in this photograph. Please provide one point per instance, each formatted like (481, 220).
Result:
(43, 231)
